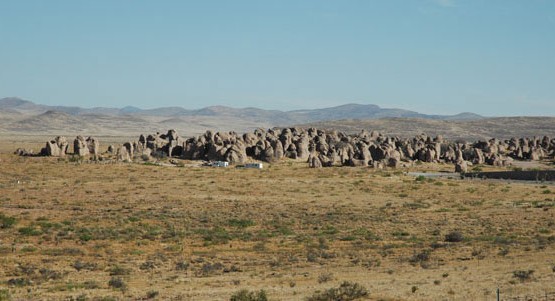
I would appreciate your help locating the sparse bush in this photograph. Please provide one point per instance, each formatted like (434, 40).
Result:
(29, 231)
(215, 236)
(82, 297)
(117, 282)
(63, 252)
(245, 295)
(182, 265)
(48, 274)
(91, 284)
(5, 295)
(79, 265)
(6, 221)
(119, 271)
(152, 294)
(325, 277)
(19, 282)
(147, 265)
(454, 236)
(504, 251)
(523, 275)
(345, 292)
(420, 178)
(241, 223)
(210, 268)
(421, 258)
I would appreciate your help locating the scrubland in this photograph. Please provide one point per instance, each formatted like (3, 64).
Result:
(72, 230)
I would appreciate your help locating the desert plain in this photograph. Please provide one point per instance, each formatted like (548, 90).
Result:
(84, 230)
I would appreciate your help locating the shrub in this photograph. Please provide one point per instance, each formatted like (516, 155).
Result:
(152, 294)
(523, 275)
(182, 265)
(245, 295)
(79, 265)
(48, 274)
(118, 271)
(19, 282)
(117, 282)
(147, 265)
(29, 231)
(454, 236)
(241, 223)
(420, 178)
(90, 284)
(5, 295)
(6, 221)
(345, 292)
(325, 277)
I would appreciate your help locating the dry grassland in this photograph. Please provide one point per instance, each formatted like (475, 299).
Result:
(79, 231)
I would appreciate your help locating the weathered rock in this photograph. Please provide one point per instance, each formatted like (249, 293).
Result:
(24, 152)
(123, 154)
(130, 149)
(80, 147)
(461, 167)
(314, 161)
(56, 148)
(93, 145)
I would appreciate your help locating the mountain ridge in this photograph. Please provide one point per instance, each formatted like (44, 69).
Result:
(23, 117)
(346, 111)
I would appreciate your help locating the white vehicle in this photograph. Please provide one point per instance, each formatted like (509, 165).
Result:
(219, 164)
(254, 165)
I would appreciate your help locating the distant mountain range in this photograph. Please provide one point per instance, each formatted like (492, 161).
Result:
(348, 111)
(18, 116)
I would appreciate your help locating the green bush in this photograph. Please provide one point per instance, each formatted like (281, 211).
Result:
(7, 221)
(29, 231)
(420, 178)
(245, 295)
(5, 295)
(241, 223)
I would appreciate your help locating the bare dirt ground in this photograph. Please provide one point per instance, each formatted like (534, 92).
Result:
(85, 231)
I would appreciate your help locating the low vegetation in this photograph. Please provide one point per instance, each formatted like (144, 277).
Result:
(80, 231)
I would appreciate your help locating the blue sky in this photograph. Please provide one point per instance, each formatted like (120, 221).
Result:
(494, 57)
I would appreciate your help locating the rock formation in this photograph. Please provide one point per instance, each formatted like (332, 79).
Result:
(317, 147)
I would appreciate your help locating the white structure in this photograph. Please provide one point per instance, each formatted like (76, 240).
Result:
(219, 164)
(254, 165)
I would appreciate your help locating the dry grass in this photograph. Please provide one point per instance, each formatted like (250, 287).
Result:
(131, 231)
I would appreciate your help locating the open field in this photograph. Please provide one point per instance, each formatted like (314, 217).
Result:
(85, 231)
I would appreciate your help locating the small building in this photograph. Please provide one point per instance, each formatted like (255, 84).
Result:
(219, 164)
(254, 165)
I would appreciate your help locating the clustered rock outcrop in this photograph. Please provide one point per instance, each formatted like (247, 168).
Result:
(320, 148)
(59, 147)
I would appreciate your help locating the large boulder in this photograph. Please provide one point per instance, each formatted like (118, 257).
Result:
(236, 154)
(123, 154)
(461, 167)
(57, 147)
(80, 147)
(314, 161)
(93, 145)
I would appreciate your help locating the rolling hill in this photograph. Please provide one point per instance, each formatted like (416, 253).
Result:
(23, 117)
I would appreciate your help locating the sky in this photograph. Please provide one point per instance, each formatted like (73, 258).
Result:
(491, 57)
